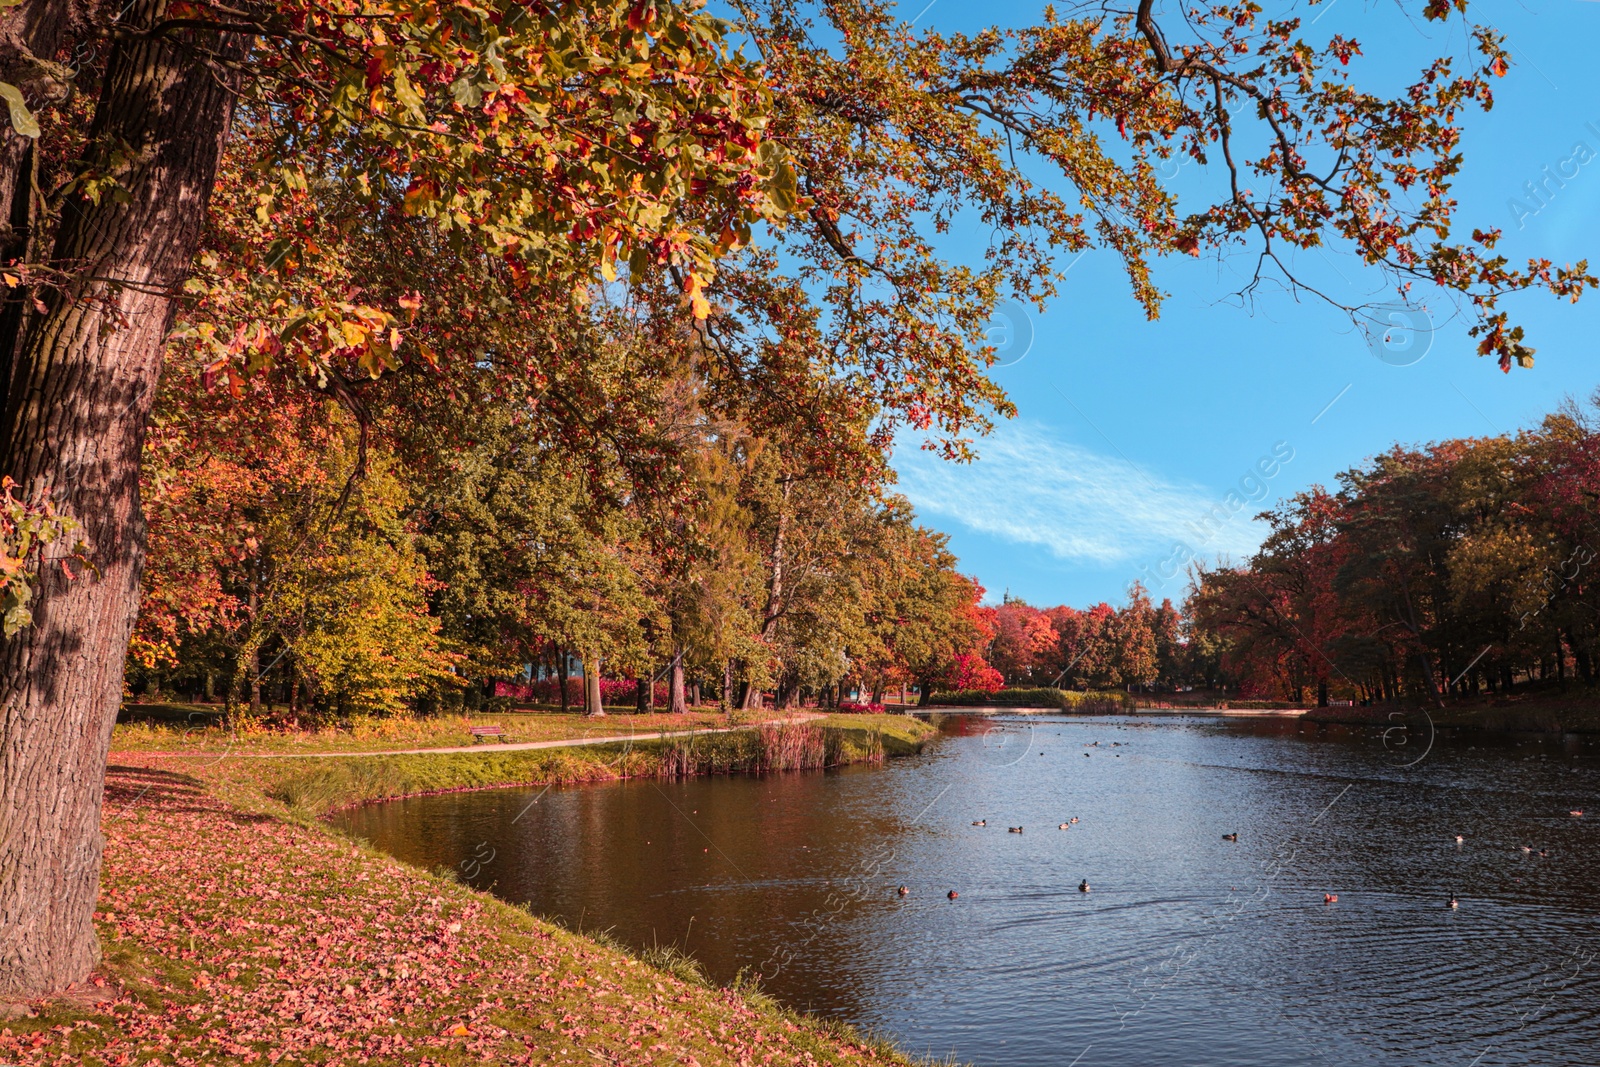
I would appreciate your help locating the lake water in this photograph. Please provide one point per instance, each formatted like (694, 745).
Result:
(1188, 950)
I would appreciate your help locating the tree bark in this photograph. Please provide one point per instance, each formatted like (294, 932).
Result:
(679, 705)
(561, 677)
(79, 378)
(592, 703)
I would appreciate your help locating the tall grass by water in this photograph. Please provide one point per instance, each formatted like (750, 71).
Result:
(800, 746)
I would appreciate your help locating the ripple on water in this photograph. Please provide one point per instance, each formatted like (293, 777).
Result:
(1189, 950)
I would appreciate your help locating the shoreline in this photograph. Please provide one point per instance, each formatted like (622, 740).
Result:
(1004, 709)
(1542, 717)
(219, 900)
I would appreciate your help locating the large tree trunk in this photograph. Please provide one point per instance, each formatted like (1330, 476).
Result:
(79, 379)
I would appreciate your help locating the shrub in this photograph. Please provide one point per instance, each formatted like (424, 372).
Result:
(1067, 700)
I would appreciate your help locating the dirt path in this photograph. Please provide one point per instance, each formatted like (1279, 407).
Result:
(513, 746)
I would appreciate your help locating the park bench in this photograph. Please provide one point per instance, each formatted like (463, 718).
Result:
(480, 732)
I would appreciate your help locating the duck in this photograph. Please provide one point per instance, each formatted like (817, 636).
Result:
(981, 822)
(1013, 829)
(1527, 848)
(1063, 826)
(1453, 902)
(903, 891)
(952, 894)
(1576, 814)
(1543, 853)
(1459, 839)
(1230, 837)
(1330, 898)
(1083, 886)
(1072, 820)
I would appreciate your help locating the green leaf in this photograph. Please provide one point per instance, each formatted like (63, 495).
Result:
(22, 119)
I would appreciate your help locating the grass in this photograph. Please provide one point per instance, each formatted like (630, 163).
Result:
(1536, 710)
(238, 929)
(198, 728)
(314, 787)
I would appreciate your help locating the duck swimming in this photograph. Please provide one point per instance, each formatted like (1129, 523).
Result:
(1453, 902)
(1063, 826)
(1013, 829)
(981, 822)
(1459, 839)
(1083, 886)
(1230, 837)
(1072, 820)
(952, 894)
(903, 891)
(1330, 898)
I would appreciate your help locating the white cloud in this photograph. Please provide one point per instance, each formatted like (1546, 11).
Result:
(1030, 487)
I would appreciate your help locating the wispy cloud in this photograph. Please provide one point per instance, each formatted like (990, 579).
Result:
(1030, 487)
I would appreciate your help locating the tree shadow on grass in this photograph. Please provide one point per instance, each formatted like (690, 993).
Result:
(127, 786)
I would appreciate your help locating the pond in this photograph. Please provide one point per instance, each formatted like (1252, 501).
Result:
(1188, 949)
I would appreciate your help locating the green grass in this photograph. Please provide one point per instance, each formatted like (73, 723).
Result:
(314, 787)
(199, 728)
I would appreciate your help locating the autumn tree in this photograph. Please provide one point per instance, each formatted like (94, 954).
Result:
(551, 152)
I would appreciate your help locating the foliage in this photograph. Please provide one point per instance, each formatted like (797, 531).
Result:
(26, 530)
(1091, 702)
(1455, 568)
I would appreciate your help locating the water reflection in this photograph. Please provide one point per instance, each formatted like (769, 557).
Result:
(1190, 949)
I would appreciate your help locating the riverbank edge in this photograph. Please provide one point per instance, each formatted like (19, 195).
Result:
(144, 984)
(1549, 718)
(322, 786)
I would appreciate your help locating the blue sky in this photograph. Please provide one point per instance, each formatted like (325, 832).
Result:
(1131, 432)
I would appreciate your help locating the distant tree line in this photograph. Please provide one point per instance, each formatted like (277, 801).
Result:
(1468, 566)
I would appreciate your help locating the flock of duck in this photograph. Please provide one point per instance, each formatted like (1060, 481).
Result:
(1327, 898)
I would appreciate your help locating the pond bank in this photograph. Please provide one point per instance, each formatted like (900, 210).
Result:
(238, 928)
(1535, 714)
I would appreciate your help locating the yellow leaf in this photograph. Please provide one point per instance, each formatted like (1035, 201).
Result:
(697, 302)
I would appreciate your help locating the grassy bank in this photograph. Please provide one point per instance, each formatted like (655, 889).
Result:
(239, 930)
(1577, 711)
(198, 728)
(315, 787)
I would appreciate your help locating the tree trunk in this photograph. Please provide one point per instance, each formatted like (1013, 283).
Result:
(79, 379)
(774, 610)
(679, 705)
(561, 677)
(592, 705)
(1580, 658)
(255, 681)
(641, 695)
